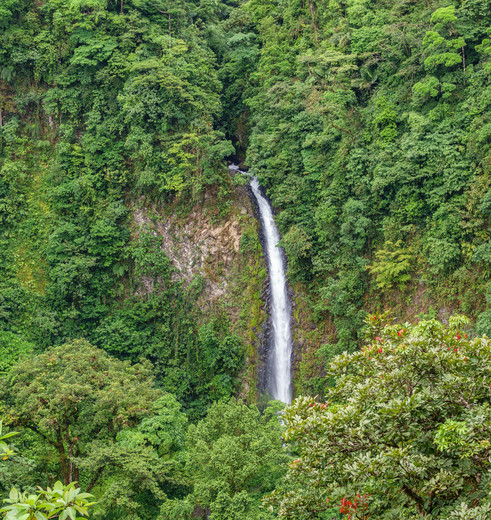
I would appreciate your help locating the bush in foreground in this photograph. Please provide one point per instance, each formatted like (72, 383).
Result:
(404, 433)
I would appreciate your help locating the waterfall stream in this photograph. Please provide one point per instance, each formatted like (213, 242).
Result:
(279, 380)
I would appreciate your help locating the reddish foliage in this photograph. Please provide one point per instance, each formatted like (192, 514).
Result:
(355, 507)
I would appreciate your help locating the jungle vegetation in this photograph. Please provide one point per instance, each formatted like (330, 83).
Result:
(368, 124)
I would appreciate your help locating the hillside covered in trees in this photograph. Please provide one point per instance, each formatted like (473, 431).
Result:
(370, 128)
(133, 290)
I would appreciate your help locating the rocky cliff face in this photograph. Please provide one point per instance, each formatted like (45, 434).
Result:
(220, 252)
(198, 246)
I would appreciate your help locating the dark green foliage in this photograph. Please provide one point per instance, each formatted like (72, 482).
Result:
(368, 123)
(73, 395)
(235, 456)
(103, 105)
(484, 321)
(220, 359)
(97, 421)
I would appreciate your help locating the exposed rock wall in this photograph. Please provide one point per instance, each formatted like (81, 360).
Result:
(224, 253)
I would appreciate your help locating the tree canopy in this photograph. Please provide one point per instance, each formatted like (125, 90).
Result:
(132, 344)
(234, 457)
(403, 433)
(97, 421)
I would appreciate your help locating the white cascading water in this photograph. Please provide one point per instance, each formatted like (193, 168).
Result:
(280, 384)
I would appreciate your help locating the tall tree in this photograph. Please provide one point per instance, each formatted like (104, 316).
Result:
(75, 397)
(235, 456)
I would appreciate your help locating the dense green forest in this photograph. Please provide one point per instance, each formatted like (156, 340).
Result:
(132, 281)
(370, 127)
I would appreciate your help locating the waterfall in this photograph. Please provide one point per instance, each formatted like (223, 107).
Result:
(279, 381)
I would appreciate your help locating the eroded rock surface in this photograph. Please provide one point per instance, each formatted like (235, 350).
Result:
(199, 245)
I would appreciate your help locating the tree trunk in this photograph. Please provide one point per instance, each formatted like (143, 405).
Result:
(64, 462)
(95, 478)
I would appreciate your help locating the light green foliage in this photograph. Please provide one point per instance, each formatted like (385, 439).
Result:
(485, 49)
(5, 450)
(428, 87)
(165, 431)
(104, 108)
(60, 502)
(366, 119)
(434, 41)
(385, 119)
(403, 433)
(454, 435)
(75, 397)
(367, 123)
(119, 106)
(12, 349)
(239, 507)
(361, 132)
(392, 265)
(444, 15)
(100, 422)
